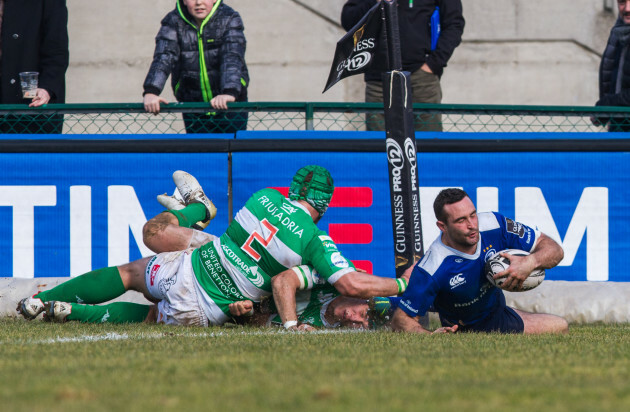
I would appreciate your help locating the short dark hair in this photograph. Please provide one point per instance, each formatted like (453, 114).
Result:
(447, 197)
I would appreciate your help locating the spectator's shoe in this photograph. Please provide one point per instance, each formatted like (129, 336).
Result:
(191, 191)
(30, 308)
(170, 202)
(57, 311)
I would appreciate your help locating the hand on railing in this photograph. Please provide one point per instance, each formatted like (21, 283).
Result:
(41, 98)
(152, 103)
(221, 101)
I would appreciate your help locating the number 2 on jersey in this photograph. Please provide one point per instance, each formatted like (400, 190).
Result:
(247, 246)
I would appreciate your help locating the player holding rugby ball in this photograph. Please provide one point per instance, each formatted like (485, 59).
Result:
(451, 277)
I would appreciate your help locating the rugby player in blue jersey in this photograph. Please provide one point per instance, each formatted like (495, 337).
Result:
(451, 279)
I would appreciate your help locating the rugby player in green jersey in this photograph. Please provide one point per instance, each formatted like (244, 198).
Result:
(319, 307)
(195, 282)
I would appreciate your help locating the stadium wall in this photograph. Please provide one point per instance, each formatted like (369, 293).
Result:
(513, 52)
(69, 208)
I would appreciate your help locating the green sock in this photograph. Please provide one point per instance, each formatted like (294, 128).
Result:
(117, 312)
(191, 214)
(97, 286)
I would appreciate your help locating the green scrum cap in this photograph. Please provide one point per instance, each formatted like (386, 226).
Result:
(314, 185)
(379, 312)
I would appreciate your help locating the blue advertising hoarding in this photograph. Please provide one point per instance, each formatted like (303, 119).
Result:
(62, 214)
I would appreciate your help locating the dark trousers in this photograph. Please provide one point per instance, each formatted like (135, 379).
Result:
(426, 89)
(31, 124)
(219, 122)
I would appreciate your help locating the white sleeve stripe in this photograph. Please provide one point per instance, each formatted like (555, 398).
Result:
(306, 280)
(537, 237)
(338, 275)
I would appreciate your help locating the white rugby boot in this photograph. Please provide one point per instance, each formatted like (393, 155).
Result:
(191, 191)
(57, 311)
(170, 202)
(175, 203)
(30, 307)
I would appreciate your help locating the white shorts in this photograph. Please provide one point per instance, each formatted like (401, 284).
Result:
(200, 238)
(170, 278)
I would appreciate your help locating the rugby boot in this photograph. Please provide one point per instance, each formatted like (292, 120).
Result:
(173, 203)
(191, 191)
(57, 311)
(30, 307)
(170, 202)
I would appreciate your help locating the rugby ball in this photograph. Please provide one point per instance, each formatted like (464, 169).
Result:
(498, 263)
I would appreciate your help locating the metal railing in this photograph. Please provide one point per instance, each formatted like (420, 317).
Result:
(130, 118)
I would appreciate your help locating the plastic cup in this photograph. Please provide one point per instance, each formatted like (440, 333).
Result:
(28, 81)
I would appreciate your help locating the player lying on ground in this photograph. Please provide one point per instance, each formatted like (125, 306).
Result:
(450, 277)
(319, 307)
(195, 286)
(286, 291)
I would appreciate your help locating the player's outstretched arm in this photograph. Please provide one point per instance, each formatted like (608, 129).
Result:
(401, 322)
(364, 285)
(284, 285)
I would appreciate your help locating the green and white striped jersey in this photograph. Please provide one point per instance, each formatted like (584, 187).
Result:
(269, 235)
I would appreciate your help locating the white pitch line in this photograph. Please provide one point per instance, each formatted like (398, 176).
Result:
(112, 336)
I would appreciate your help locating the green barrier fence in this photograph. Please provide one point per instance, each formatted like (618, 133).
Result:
(130, 118)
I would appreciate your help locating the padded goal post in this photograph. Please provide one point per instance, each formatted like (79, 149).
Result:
(401, 153)
(401, 150)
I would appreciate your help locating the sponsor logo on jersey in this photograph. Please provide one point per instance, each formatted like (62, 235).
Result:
(515, 227)
(407, 304)
(289, 208)
(459, 260)
(279, 214)
(457, 280)
(154, 271)
(483, 290)
(489, 254)
(328, 243)
(257, 279)
(165, 284)
(339, 261)
(250, 271)
(217, 273)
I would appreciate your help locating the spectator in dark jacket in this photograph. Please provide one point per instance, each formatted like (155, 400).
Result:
(218, 75)
(614, 70)
(34, 37)
(425, 65)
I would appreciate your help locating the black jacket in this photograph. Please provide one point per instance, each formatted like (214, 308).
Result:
(415, 34)
(609, 95)
(177, 54)
(34, 38)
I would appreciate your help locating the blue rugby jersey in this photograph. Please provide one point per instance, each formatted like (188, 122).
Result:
(454, 283)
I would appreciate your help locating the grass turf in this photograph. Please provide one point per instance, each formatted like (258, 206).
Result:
(74, 366)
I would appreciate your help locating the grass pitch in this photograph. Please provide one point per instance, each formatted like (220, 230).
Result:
(72, 367)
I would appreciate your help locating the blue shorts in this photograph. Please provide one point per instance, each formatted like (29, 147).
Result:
(503, 319)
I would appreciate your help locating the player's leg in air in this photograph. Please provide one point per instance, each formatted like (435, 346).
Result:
(75, 299)
(180, 227)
